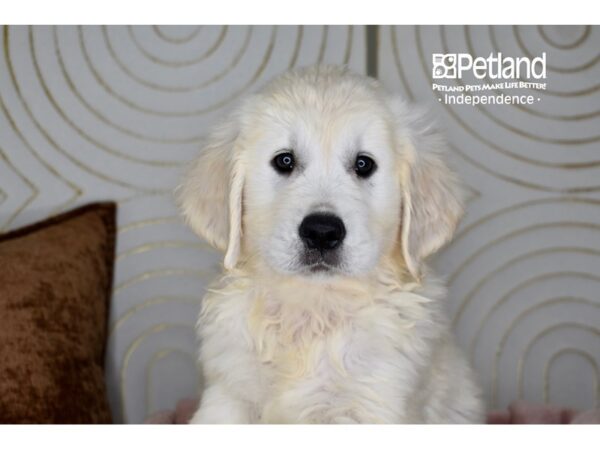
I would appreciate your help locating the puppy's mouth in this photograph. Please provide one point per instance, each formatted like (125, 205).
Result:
(321, 267)
(315, 261)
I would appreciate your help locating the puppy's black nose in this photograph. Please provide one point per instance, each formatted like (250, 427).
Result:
(322, 231)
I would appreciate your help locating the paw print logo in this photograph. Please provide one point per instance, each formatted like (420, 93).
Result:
(444, 65)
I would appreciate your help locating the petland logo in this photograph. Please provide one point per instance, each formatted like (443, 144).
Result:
(455, 65)
(502, 79)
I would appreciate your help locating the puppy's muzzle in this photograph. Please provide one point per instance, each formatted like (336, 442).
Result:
(322, 232)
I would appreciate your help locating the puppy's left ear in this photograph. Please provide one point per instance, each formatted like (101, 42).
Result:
(432, 197)
(210, 196)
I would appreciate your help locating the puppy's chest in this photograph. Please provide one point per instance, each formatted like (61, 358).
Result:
(322, 340)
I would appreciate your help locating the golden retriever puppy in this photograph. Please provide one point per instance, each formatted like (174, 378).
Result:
(326, 194)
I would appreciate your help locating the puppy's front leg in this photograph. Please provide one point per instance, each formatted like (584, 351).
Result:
(218, 406)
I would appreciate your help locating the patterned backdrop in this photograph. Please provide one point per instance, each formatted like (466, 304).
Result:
(115, 112)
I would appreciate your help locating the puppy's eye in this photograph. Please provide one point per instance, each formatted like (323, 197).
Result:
(284, 162)
(364, 166)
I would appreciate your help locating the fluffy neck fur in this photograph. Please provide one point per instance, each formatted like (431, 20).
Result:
(294, 321)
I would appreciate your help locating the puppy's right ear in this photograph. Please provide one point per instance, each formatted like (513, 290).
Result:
(432, 197)
(210, 196)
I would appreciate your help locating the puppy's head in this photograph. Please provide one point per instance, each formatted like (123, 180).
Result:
(323, 174)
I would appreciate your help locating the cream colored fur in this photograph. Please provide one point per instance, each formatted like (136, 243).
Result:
(366, 342)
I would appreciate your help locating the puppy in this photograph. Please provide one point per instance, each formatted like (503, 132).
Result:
(326, 194)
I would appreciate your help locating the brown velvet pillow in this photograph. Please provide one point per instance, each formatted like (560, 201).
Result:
(55, 286)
